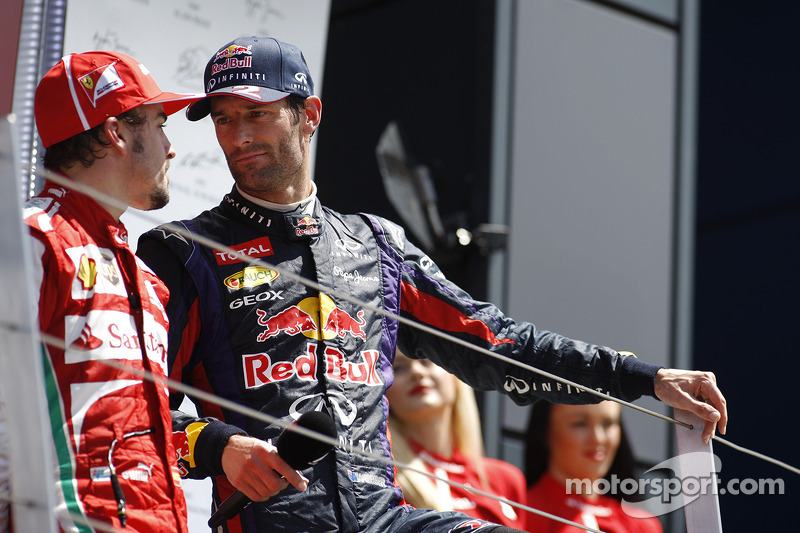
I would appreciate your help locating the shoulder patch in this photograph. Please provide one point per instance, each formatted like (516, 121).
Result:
(38, 213)
(177, 242)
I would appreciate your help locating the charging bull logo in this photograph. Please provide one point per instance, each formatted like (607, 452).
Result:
(316, 318)
(340, 323)
(234, 50)
(290, 321)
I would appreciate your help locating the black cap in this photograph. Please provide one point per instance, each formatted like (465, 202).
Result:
(261, 69)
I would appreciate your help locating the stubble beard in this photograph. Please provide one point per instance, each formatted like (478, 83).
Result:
(269, 178)
(158, 197)
(274, 176)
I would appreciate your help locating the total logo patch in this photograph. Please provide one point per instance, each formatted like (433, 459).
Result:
(260, 247)
(251, 276)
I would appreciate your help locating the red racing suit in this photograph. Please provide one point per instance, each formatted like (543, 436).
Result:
(253, 335)
(106, 305)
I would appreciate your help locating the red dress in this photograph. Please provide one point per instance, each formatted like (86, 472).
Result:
(606, 514)
(504, 479)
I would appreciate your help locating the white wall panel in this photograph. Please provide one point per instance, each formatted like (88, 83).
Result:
(592, 185)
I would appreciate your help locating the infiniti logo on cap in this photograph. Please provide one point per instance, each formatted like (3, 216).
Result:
(303, 79)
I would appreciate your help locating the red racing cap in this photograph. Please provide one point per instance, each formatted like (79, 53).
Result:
(82, 90)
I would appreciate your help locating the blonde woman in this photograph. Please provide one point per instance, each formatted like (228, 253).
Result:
(435, 426)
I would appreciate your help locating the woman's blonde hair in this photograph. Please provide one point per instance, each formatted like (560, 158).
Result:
(420, 490)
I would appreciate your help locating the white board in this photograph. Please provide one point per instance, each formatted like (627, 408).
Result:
(175, 39)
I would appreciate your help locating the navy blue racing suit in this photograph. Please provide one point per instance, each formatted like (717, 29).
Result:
(253, 335)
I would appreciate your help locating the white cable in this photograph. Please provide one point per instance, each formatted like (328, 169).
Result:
(757, 454)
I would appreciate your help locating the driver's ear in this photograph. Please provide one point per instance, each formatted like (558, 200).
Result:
(114, 133)
(313, 114)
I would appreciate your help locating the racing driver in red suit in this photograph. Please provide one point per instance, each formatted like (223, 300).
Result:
(100, 116)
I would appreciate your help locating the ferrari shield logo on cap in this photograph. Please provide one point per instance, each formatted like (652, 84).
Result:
(100, 82)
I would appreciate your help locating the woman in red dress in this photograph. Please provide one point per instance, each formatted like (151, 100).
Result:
(435, 427)
(586, 443)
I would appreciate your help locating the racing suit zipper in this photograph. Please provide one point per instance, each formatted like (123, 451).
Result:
(115, 485)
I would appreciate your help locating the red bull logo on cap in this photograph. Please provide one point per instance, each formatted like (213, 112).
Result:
(232, 62)
(234, 50)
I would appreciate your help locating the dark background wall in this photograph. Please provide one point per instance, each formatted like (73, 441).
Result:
(748, 229)
(427, 65)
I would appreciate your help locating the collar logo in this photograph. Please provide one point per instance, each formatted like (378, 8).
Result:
(303, 226)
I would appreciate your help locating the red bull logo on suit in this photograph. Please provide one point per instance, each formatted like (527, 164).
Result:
(259, 369)
(316, 318)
